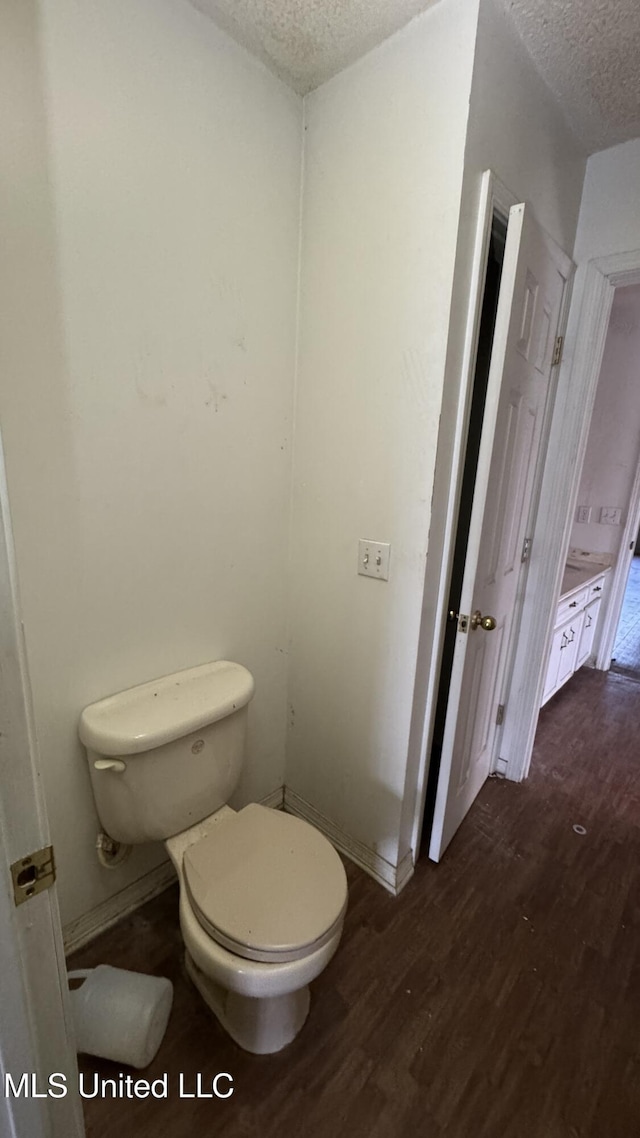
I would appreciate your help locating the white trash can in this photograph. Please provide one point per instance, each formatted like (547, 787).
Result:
(120, 1015)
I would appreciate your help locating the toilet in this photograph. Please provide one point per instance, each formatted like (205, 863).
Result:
(262, 894)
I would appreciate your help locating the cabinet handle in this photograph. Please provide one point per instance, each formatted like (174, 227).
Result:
(597, 588)
(573, 604)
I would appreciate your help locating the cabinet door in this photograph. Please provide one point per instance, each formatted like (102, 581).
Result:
(569, 644)
(588, 631)
(551, 682)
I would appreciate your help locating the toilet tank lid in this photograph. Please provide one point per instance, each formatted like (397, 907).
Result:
(159, 711)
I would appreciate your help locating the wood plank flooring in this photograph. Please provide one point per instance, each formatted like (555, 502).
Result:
(626, 650)
(498, 997)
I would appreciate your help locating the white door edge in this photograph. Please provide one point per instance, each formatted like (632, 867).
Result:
(575, 395)
(494, 198)
(19, 1118)
(35, 1031)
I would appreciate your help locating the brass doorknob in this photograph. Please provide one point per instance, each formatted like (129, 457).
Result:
(480, 621)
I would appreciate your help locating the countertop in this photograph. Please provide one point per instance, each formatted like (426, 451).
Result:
(575, 577)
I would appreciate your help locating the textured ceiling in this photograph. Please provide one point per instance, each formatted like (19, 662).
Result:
(307, 41)
(588, 51)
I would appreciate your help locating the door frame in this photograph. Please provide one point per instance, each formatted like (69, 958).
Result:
(36, 1033)
(594, 286)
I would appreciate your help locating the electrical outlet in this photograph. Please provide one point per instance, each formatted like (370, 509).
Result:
(610, 516)
(584, 514)
(373, 559)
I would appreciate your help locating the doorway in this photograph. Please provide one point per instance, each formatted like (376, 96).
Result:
(607, 516)
(626, 649)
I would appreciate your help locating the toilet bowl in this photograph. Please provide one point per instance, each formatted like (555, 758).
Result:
(262, 894)
(261, 1003)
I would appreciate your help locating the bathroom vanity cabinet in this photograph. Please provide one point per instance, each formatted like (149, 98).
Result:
(575, 624)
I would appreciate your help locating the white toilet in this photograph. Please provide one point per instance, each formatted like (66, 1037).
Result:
(262, 894)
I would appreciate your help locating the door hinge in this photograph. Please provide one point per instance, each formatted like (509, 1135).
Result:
(500, 714)
(33, 874)
(557, 351)
(526, 548)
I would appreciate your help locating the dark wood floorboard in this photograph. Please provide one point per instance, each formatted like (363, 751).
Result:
(626, 650)
(498, 997)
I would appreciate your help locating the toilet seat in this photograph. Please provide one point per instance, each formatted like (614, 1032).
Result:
(266, 885)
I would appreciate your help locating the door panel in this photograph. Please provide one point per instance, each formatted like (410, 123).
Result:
(531, 293)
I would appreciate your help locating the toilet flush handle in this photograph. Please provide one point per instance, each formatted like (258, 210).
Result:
(110, 765)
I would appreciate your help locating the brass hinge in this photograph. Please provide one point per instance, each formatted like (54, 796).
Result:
(557, 351)
(500, 715)
(33, 874)
(526, 548)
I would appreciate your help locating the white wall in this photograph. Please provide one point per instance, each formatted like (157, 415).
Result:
(148, 325)
(613, 446)
(383, 173)
(517, 130)
(609, 215)
(149, 274)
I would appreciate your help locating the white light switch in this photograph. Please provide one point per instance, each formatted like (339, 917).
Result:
(373, 559)
(584, 514)
(610, 516)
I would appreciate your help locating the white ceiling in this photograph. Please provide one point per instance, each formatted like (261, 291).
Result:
(307, 41)
(588, 51)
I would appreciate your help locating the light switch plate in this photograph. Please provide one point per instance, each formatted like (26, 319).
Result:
(583, 514)
(610, 515)
(373, 559)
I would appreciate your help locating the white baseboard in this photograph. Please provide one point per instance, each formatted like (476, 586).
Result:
(85, 928)
(404, 871)
(393, 877)
(275, 800)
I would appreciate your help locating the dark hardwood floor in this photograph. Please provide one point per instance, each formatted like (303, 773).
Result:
(626, 650)
(497, 997)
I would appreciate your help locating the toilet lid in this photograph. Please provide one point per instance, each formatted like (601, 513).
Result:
(266, 885)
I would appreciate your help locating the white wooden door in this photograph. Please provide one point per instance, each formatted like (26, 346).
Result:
(534, 277)
(35, 1029)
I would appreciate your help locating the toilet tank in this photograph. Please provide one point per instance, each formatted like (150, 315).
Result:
(168, 753)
